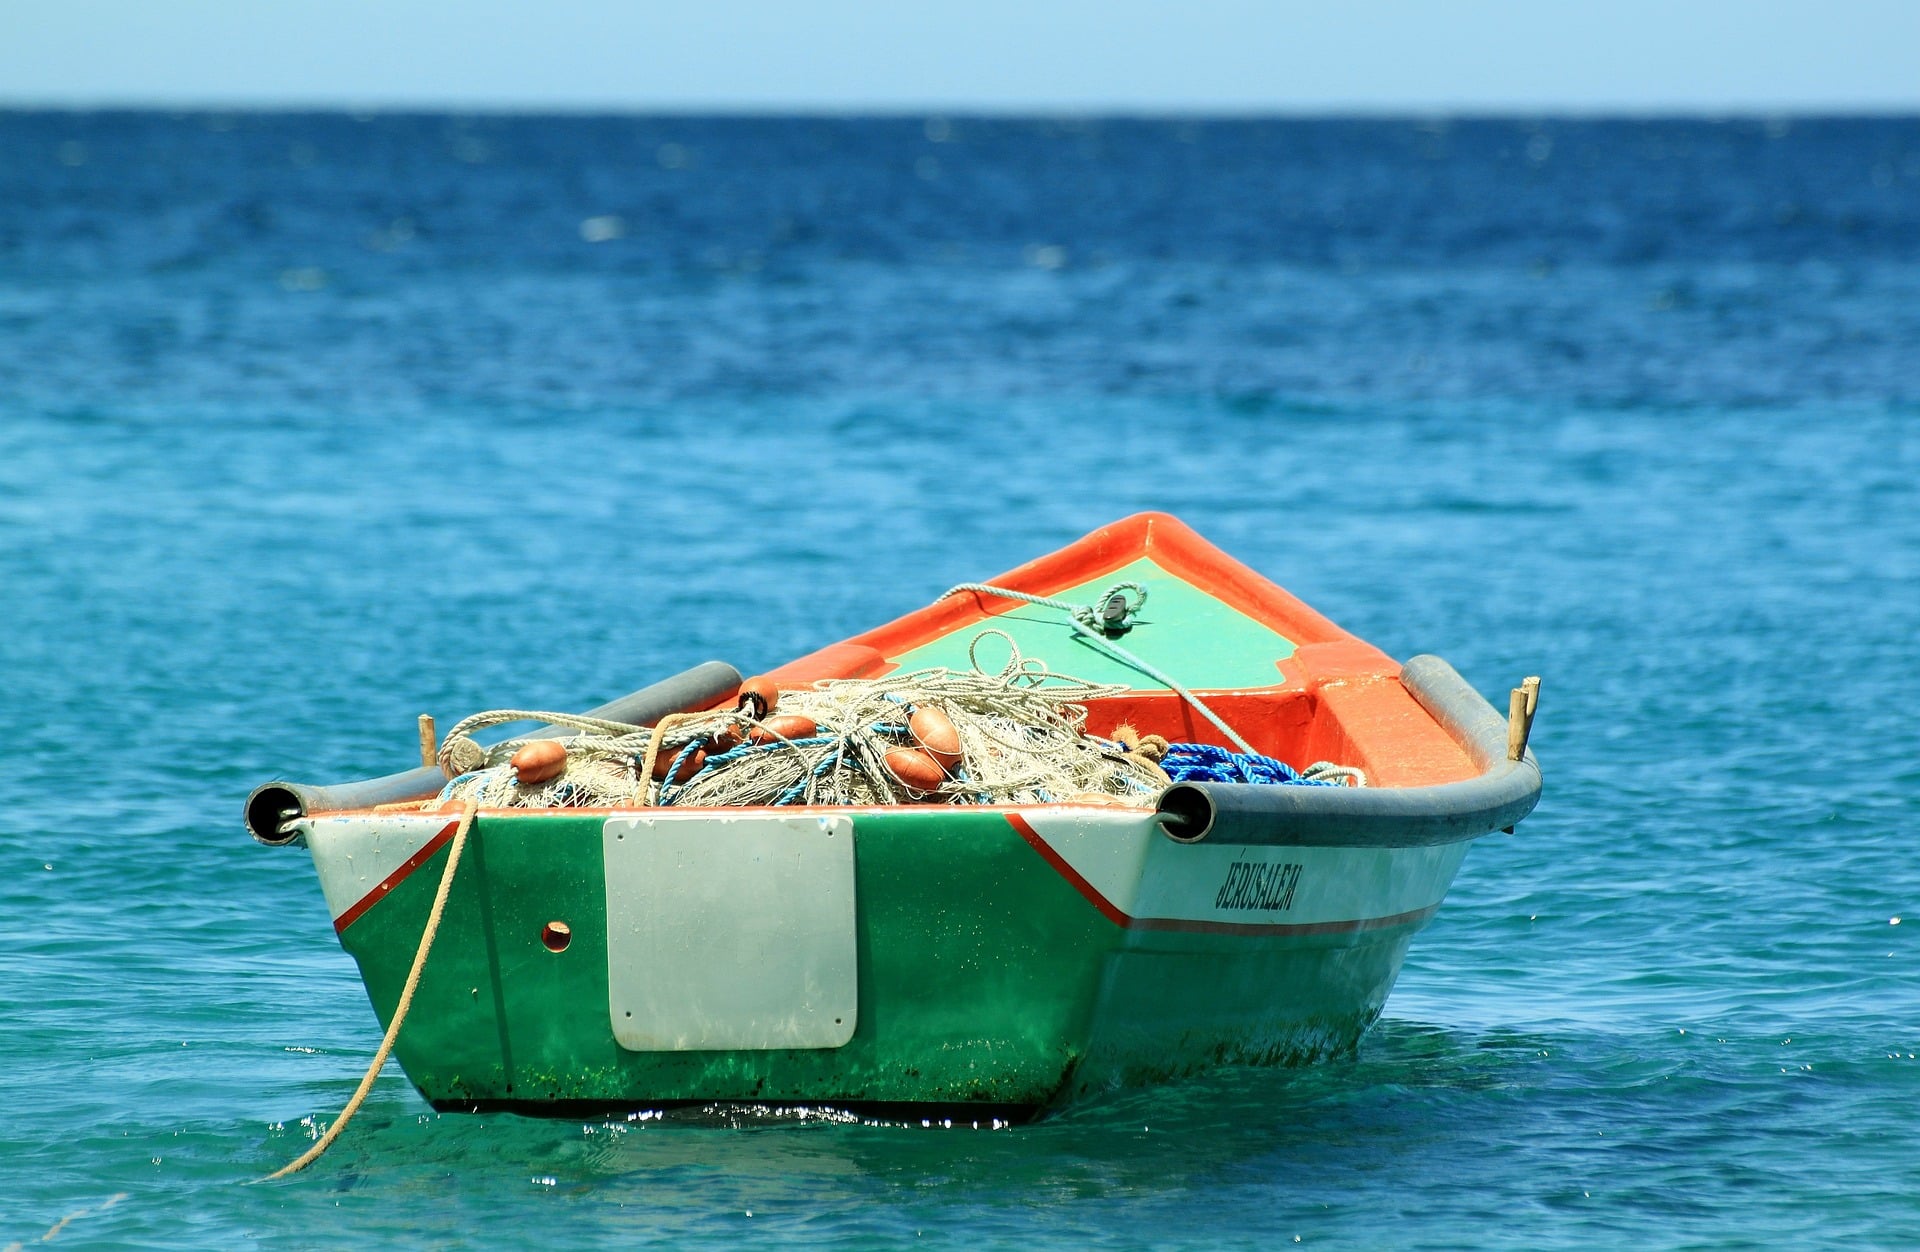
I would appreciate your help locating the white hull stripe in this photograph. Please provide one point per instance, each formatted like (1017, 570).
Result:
(1118, 864)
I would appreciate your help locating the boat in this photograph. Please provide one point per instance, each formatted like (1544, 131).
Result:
(953, 952)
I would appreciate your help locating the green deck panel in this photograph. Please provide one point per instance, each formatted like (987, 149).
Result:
(1182, 631)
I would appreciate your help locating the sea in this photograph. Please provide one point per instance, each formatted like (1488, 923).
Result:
(311, 423)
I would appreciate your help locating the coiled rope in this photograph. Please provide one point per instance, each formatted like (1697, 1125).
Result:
(1205, 762)
(454, 849)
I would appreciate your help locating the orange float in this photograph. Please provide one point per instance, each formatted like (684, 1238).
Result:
(934, 731)
(915, 769)
(540, 761)
(759, 696)
(783, 726)
(664, 762)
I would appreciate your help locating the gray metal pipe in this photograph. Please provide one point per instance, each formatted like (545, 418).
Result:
(1381, 817)
(272, 805)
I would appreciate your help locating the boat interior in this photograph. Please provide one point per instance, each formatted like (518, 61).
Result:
(1290, 682)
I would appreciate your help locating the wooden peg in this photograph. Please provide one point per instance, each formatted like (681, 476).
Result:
(1516, 724)
(429, 741)
(1522, 701)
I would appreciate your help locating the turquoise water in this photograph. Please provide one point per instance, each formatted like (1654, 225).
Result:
(311, 424)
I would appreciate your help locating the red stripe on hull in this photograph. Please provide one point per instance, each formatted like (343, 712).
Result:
(1068, 872)
(394, 879)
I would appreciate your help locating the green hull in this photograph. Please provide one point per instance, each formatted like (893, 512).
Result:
(986, 974)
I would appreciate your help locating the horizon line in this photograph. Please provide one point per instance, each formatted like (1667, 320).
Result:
(1032, 110)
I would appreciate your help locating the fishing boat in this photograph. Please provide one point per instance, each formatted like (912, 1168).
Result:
(931, 943)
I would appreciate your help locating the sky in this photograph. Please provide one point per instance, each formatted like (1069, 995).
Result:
(1219, 56)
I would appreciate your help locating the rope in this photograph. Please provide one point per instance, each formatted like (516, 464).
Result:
(1090, 615)
(400, 1010)
(654, 743)
(1086, 620)
(1330, 771)
(1204, 762)
(1021, 731)
(459, 754)
(601, 762)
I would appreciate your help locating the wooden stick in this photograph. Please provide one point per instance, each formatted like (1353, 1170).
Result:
(1522, 702)
(1516, 724)
(429, 741)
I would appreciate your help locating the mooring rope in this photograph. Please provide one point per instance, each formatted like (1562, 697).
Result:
(1088, 614)
(400, 1010)
(1090, 620)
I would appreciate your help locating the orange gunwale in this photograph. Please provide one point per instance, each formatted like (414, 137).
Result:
(1170, 542)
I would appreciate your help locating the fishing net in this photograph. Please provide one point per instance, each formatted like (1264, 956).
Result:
(1016, 736)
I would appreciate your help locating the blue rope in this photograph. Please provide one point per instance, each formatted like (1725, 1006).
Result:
(446, 792)
(1203, 762)
(798, 792)
(670, 794)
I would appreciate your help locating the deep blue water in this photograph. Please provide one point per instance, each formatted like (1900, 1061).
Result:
(309, 424)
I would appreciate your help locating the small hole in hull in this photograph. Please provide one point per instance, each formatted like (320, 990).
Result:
(556, 935)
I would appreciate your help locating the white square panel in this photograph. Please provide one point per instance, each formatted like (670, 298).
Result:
(730, 932)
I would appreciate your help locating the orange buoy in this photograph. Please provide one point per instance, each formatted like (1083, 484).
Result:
(664, 762)
(759, 696)
(539, 761)
(783, 726)
(933, 730)
(915, 769)
(727, 740)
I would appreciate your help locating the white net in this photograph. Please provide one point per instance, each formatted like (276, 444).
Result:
(1017, 736)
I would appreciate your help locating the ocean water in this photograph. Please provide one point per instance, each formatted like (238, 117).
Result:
(309, 424)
